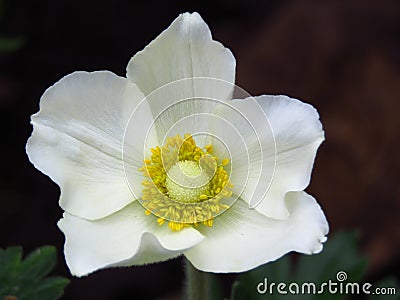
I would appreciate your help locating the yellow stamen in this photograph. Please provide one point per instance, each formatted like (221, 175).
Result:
(186, 185)
(225, 161)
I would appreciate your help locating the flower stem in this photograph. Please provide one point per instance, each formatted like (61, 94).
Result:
(197, 283)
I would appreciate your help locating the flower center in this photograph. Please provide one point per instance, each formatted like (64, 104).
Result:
(185, 184)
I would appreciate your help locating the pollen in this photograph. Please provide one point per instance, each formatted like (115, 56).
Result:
(185, 185)
(186, 181)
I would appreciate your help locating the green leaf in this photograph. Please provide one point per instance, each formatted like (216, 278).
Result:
(38, 264)
(25, 279)
(51, 288)
(10, 259)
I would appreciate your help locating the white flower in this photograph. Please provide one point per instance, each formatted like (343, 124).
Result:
(105, 141)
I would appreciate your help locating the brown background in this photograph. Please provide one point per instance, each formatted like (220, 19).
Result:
(341, 56)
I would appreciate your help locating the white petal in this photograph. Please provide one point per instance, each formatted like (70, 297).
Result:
(242, 239)
(181, 65)
(295, 132)
(251, 145)
(184, 50)
(298, 134)
(127, 237)
(77, 141)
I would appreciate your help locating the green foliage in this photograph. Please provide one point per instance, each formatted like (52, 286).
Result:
(10, 44)
(339, 254)
(25, 279)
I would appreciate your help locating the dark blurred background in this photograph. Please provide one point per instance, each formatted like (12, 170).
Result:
(341, 56)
